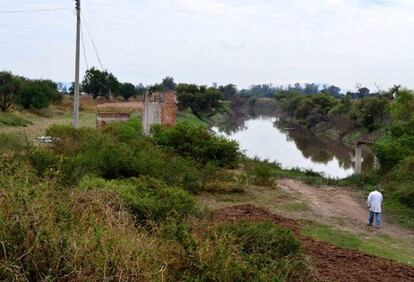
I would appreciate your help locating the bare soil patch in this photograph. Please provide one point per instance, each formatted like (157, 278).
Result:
(331, 263)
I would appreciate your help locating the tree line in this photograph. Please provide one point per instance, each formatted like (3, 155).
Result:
(27, 93)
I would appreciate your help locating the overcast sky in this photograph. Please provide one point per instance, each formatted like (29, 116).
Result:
(341, 42)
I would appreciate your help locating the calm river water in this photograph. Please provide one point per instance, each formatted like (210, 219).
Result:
(267, 138)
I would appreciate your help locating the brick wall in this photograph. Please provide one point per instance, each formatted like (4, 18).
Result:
(168, 109)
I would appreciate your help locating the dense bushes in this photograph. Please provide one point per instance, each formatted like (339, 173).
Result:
(395, 150)
(178, 156)
(30, 94)
(38, 94)
(149, 199)
(261, 172)
(371, 112)
(199, 98)
(127, 228)
(47, 233)
(310, 110)
(199, 144)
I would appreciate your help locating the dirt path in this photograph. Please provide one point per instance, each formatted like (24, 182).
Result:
(339, 207)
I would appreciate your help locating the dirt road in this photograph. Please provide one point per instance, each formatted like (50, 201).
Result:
(339, 207)
(290, 201)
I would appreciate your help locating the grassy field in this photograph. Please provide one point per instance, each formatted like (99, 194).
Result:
(36, 125)
(381, 245)
(189, 117)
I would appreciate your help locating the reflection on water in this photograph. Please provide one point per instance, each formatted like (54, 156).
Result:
(268, 138)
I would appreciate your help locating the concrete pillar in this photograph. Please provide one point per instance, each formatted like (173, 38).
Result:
(358, 159)
(376, 163)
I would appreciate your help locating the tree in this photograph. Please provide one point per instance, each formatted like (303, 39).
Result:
(370, 112)
(9, 87)
(38, 94)
(169, 83)
(403, 108)
(157, 88)
(100, 83)
(311, 88)
(228, 91)
(363, 92)
(198, 98)
(332, 90)
(127, 90)
(140, 89)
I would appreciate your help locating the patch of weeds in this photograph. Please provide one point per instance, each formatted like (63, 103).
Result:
(296, 206)
(10, 119)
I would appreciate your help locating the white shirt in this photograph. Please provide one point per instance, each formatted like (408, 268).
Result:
(374, 201)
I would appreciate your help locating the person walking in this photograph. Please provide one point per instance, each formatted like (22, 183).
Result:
(374, 204)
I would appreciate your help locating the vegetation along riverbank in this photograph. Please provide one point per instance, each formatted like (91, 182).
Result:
(186, 205)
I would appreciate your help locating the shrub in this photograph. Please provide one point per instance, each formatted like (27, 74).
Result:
(405, 170)
(54, 234)
(43, 161)
(391, 151)
(149, 199)
(240, 182)
(261, 173)
(38, 94)
(199, 144)
(127, 131)
(272, 252)
(370, 112)
(406, 196)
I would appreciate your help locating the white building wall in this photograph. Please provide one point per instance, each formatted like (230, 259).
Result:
(152, 115)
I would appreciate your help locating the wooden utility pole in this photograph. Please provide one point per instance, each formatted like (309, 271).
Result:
(77, 58)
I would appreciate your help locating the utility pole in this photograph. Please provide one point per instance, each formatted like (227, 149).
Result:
(77, 58)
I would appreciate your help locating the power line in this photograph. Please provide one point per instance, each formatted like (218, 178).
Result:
(93, 42)
(33, 11)
(84, 48)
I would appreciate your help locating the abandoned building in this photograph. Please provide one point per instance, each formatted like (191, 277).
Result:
(106, 118)
(159, 108)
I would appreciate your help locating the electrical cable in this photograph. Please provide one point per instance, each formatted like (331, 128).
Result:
(93, 42)
(84, 48)
(33, 11)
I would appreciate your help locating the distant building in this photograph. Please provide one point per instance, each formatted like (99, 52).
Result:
(214, 85)
(159, 108)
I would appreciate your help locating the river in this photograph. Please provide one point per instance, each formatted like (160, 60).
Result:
(269, 139)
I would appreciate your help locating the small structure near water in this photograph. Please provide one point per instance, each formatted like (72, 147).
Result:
(358, 156)
(159, 108)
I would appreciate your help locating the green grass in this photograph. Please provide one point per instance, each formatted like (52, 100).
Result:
(189, 117)
(295, 207)
(399, 213)
(381, 245)
(11, 119)
(38, 124)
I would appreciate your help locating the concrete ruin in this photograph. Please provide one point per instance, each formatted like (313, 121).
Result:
(359, 159)
(159, 108)
(105, 118)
